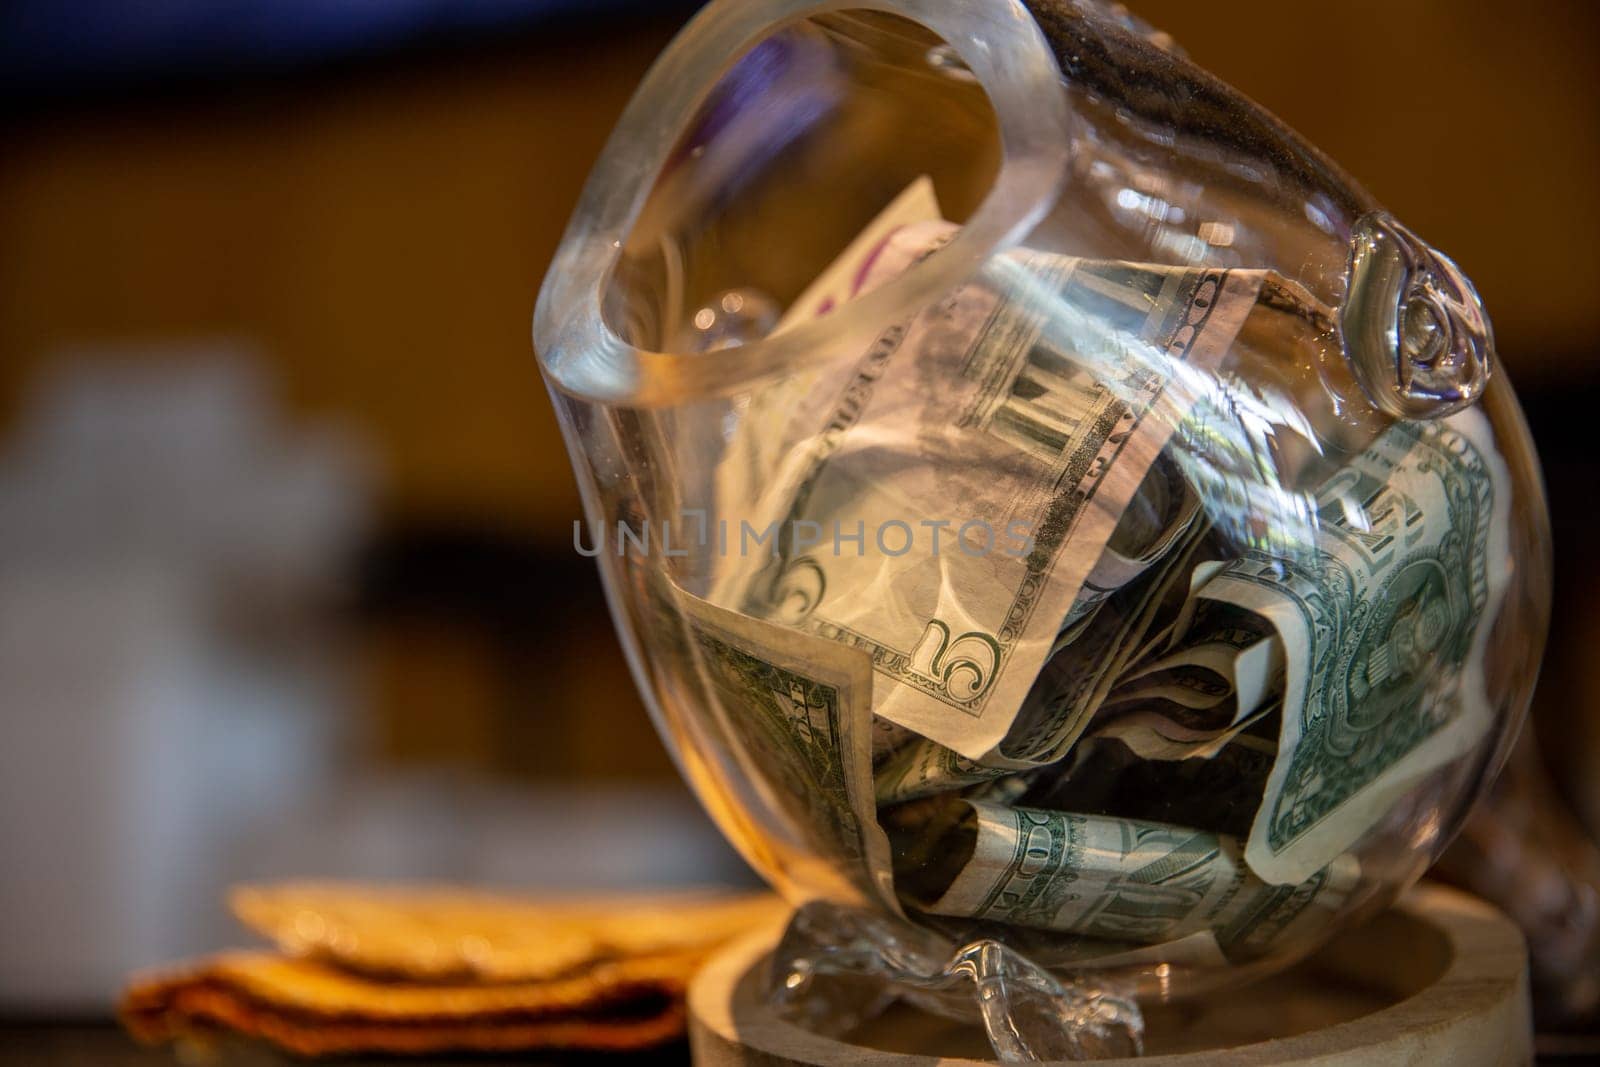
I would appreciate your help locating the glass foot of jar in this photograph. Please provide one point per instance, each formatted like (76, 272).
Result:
(837, 967)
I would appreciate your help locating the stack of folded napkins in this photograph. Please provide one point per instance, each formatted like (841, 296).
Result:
(377, 970)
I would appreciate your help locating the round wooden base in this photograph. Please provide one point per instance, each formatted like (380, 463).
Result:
(1440, 978)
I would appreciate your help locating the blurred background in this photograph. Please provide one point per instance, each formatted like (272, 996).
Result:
(287, 584)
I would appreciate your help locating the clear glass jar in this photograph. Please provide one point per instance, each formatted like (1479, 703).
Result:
(1044, 501)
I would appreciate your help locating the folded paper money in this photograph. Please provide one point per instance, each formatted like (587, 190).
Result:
(410, 971)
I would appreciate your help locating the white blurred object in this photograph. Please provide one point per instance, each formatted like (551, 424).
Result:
(179, 458)
(164, 547)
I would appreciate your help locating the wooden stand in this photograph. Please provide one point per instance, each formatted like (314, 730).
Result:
(1440, 978)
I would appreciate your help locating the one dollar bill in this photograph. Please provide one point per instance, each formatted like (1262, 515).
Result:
(1129, 880)
(1383, 628)
(797, 713)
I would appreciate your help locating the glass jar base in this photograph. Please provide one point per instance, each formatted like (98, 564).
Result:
(837, 967)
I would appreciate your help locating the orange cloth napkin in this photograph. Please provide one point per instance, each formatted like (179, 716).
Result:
(369, 970)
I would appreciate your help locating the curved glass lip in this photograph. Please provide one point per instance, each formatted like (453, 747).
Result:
(583, 357)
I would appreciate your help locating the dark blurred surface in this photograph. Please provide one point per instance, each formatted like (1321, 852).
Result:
(72, 1044)
(55, 51)
(368, 195)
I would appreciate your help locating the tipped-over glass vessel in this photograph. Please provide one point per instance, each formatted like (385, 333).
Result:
(1077, 545)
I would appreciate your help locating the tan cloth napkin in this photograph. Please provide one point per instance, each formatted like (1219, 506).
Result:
(369, 970)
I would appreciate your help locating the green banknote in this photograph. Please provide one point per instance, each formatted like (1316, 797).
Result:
(1126, 880)
(1383, 628)
(981, 457)
(1067, 693)
(796, 711)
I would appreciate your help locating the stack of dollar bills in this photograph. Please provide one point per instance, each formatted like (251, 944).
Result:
(1015, 621)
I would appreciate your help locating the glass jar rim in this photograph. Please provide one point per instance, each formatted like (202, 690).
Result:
(581, 354)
